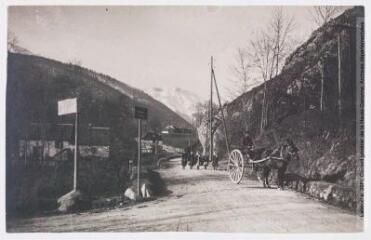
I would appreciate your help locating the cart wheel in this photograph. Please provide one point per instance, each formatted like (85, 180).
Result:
(236, 166)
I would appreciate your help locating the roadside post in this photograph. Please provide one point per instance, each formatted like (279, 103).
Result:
(69, 106)
(140, 113)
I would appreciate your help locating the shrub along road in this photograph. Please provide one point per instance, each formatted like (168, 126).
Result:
(205, 200)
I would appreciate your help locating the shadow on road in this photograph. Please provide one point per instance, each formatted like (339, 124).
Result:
(194, 179)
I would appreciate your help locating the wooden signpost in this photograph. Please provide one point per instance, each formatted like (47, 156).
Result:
(140, 113)
(69, 106)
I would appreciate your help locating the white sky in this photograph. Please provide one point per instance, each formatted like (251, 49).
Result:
(148, 46)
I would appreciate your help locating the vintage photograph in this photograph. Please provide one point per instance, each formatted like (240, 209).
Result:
(216, 119)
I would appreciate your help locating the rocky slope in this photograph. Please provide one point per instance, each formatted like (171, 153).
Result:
(326, 139)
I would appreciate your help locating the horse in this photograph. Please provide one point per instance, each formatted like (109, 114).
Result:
(278, 159)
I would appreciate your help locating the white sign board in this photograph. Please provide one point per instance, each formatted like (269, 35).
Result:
(67, 106)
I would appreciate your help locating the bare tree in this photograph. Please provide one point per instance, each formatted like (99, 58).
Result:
(323, 14)
(261, 52)
(241, 80)
(12, 41)
(281, 26)
(269, 49)
(271, 46)
(200, 114)
(14, 46)
(263, 57)
(76, 62)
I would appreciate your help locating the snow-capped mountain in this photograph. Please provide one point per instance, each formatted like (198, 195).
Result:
(181, 101)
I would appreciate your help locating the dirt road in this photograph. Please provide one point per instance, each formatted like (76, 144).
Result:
(206, 200)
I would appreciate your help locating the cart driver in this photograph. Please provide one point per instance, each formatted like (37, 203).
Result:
(247, 143)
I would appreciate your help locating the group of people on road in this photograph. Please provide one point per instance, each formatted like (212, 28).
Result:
(192, 158)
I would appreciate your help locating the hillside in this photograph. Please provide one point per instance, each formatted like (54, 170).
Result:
(34, 86)
(158, 111)
(52, 74)
(325, 137)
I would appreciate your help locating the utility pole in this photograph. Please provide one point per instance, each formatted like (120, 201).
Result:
(222, 112)
(211, 149)
(339, 75)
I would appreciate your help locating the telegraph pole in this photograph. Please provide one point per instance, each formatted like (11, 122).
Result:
(222, 112)
(211, 114)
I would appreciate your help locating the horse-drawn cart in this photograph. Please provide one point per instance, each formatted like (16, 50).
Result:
(240, 161)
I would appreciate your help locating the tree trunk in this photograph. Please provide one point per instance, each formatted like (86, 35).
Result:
(322, 70)
(339, 75)
(266, 109)
(277, 58)
(263, 108)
